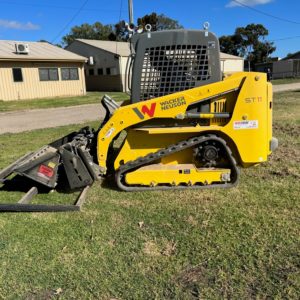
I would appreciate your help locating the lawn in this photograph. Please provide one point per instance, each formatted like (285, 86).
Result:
(285, 81)
(90, 98)
(240, 243)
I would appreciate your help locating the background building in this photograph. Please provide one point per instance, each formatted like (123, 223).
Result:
(106, 67)
(31, 70)
(287, 67)
(231, 64)
(107, 61)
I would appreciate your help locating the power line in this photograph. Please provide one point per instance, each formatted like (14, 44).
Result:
(266, 14)
(120, 15)
(57, 6)
(121, 9)
(72, 19)
(286, 38)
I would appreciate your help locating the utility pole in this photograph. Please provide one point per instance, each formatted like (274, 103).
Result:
(130, 9)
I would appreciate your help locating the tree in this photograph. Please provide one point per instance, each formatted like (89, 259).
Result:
(96, 31)
(157, 22)
(289, 55)
(248, 42)
(229, 44)
(262, 51)
(45, 41)
(121, 32)
(118, 32)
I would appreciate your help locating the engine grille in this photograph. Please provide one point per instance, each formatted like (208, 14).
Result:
(218, 106)
(170, 69)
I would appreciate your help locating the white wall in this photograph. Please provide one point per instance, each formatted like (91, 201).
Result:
(232, 65)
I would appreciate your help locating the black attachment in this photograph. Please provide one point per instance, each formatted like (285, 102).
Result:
(110, 105)
(75, 169)
(4, 173)
(28, 196)
(24, 205)
(65, 164)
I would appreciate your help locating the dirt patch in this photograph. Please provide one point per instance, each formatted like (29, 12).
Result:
(166, 248)
(287, 129)
(169, 248)
(287, 154)
(151, 249)
(284, 172)
(190, 278)
(41, 295)
(192, 221)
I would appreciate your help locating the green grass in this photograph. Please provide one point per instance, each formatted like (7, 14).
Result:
(285, 81)
(90, 98)
(240, 243)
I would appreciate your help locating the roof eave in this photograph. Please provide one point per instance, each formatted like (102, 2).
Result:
(42, 60)
(98, 48)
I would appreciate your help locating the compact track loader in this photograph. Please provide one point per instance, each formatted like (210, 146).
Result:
(184, 127)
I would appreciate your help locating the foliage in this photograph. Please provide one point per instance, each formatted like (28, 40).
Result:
(229, 44)
(119, 32)
(289, 55)
(158, 22)
(248, 42)
(96, 31)
(45, 41)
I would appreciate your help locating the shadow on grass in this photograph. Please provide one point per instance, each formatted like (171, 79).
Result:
(22, 184)
(109, 183)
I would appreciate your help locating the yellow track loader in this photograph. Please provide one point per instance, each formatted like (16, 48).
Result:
(183, 128)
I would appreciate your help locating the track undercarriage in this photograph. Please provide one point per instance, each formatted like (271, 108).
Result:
(210, 165)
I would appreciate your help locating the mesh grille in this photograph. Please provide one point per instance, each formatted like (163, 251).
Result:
(170, 69)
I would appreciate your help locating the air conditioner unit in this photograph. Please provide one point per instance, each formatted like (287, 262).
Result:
(22, 48)
(91, 61)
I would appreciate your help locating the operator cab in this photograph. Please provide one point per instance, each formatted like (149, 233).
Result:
(166, 62)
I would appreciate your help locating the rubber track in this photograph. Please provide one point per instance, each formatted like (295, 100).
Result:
(194, 141)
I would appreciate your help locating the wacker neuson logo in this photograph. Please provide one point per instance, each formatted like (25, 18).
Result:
(145, 110)
(168, 104)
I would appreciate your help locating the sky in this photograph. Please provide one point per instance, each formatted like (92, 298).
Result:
(50, 20)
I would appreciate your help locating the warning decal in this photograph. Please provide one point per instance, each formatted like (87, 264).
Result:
(45, 171)
(247, 124)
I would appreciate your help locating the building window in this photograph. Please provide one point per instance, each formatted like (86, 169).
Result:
(107, 71)
(91, 72)
(17, 74)
(48, 74)
(113, 71)
(100, 71)
(69, 74)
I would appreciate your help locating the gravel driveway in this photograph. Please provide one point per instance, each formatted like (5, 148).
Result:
(52, 117)
(12, 122)
(286, 87)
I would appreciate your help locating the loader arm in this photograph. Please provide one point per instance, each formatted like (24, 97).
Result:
(252, 103)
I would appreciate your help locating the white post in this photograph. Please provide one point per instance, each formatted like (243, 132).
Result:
(130, 10)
